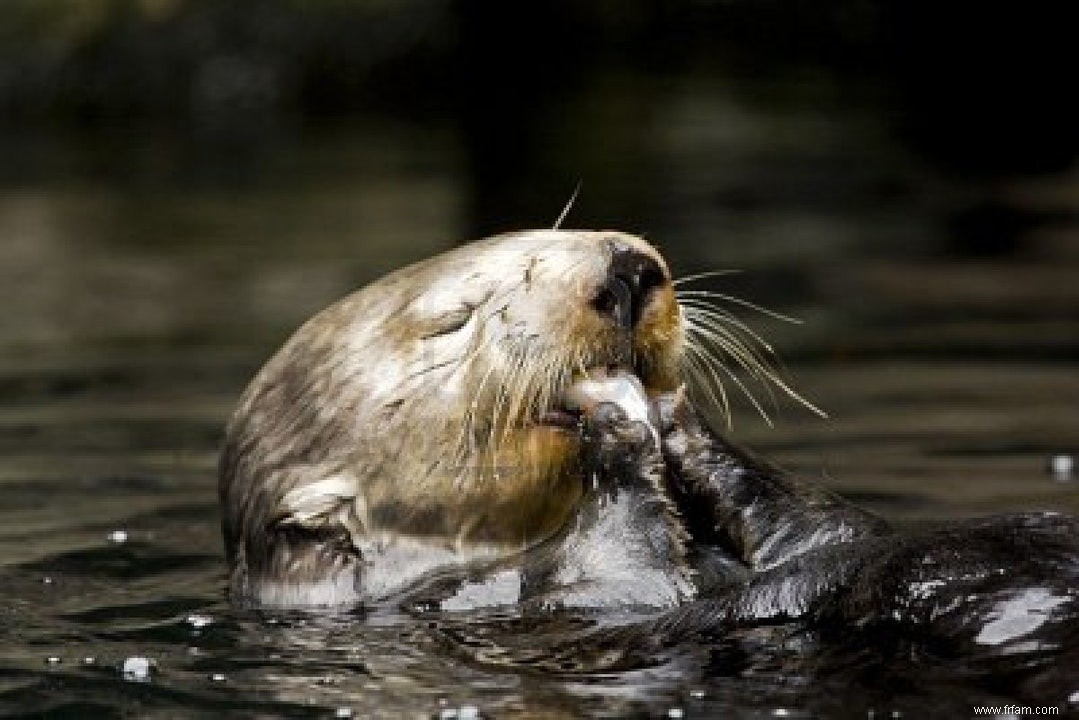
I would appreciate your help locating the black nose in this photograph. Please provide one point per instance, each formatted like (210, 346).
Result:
(630, 278)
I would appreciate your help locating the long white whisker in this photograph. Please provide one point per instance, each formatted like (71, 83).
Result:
(696, 363)
(730, 343)
(737, 301)
(745, 390)
(716, 364)
(720, 329)
(472, 415)
(569, 206)
(701, 275)
(764, 373)
(704, 309)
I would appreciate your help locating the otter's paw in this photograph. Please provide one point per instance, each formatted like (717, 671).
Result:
(614, 443)
(673, 411)
(679, 424)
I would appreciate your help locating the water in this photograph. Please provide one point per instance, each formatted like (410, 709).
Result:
(143, 280)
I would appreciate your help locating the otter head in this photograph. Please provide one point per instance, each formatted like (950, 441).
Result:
(431, 402)
(497, 331)
(477, 353)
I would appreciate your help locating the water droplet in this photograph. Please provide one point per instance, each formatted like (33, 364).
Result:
(88, 660)
(218, 677)
(1074, 698)
(199, 621)
(118, 536)
(47, 580)
(781, 712)
(676, 713)
(52, 660)
(343, 712)
(137, 668)
(696, 694)
(1061, 466)
(468, 712)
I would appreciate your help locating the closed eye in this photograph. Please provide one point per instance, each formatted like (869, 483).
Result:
(449, 322)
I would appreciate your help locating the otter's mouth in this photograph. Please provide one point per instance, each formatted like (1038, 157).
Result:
(615, 385)
(560, 418)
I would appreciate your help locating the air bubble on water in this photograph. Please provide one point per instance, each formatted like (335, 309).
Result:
(118, 536)
(52, 660)
(198, 621)
(781, 712)
(47, 580)
(137, 668)
(1074, 698)
(676, 713)
(697, 694)
(1061, 466)
(218, 677)
(342, 712)
(89, 660)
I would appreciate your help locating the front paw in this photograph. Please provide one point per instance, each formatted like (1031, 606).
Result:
(618, 421)
(678, 423)
(614, 442)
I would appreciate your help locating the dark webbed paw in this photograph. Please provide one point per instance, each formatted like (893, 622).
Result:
(616, 444)
(619, 425)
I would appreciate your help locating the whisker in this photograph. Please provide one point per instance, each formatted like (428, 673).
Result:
(697, 365)
(772, 376)
(737, 301)
(569, 206)
(717, 364)
(752, 363)
(512, 388)
(706, 309)
(472, 417)
(728, 341)
(712, 329)
(701, 275)
(511, 393)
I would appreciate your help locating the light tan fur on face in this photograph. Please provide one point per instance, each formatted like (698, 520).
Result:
(411, 407)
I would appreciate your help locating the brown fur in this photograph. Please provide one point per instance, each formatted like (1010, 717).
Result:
(405, 415)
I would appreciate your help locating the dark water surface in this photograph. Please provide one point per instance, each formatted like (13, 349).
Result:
(143, 281)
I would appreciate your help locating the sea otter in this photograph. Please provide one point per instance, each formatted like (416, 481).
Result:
(419, 423)
(515, 409)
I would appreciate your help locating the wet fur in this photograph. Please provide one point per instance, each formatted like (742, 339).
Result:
(392, 434)
(761, 546)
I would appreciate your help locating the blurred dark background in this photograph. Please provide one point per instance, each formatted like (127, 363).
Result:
(534, 96)
(183, 182)
(683, 119)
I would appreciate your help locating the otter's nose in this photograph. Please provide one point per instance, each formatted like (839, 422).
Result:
(631, 276)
